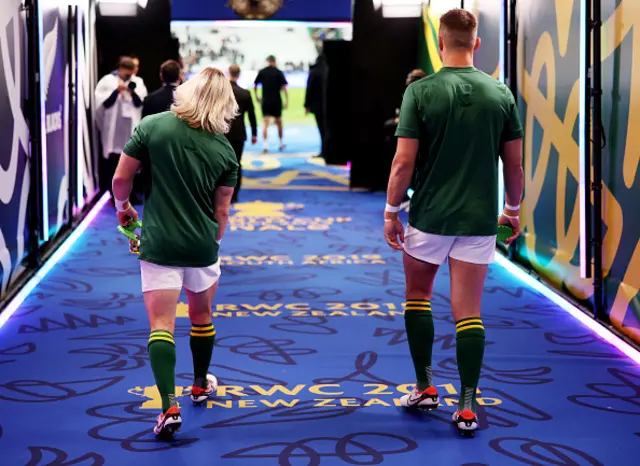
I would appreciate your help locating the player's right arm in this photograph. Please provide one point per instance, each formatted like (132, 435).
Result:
(404, 161)
(224, 192)
(255, 86)
(513, 174)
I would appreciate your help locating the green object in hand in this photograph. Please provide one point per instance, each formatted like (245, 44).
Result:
(504, 233)
(129, 230)
(134, 239)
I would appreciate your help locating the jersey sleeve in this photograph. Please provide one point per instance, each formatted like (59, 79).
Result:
(409, 119)
(284, 79)
(513, 127)
(230, 175)
(258, 78)
(137, 145)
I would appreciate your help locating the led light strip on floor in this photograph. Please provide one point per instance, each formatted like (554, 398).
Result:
(59, 253)
(587, 321)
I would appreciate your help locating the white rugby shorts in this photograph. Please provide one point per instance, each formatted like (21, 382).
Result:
(195, 279)
(435, 249)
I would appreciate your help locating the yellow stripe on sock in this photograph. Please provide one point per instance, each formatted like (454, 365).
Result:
(462, 329)
(161, 338)
(202, 329)
(418, 306)
(164, 332)
(210, 334)
(469, 321)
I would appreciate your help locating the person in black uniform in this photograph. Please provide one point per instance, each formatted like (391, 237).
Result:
(237, 134)
(159, 101)
(314, 100)
(273, 83)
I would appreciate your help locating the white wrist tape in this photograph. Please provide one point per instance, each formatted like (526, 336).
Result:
(120, 205)
(391, 209)
(511, 207)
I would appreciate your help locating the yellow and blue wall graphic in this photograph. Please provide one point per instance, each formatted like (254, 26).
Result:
(489, 14)
(548, 84)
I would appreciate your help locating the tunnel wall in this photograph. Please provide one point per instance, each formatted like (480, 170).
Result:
(48, 170)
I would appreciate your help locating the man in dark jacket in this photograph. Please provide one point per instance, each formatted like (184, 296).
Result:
(314, 101)
(237, 134)
(390, 127)
(159, 101)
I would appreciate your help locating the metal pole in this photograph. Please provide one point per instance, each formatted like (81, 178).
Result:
(72, 112)
(35, 131)
(505, 40)
(512, 41)
(598, 291)
(586, 64)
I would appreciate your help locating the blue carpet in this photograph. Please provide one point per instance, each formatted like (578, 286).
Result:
(293, 172)
(297, 138)
(311, 356)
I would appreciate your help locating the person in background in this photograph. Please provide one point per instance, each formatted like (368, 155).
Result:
(161, 100)
(237, 134)
(391, 125)
(314, 99)
(119, 99)
(136, 63)
(454, 126)
(183, 76)
(193, 172)
(412, 77)
(273, 84)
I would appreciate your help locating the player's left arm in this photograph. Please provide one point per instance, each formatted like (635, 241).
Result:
(285, 91)
(224, 193)
(257, 81)
(252, 118)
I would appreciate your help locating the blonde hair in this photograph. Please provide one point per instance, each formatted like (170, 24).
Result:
(206, 102)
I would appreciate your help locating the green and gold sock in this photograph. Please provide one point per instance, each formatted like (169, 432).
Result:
(418, 322)
(203, 338)
(162, 354)
(470, 343)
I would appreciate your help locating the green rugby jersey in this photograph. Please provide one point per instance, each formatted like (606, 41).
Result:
(461, 116)
(184, 167)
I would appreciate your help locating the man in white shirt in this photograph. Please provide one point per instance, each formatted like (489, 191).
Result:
(119, 98)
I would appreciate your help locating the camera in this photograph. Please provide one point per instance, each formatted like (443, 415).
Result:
(132, 86)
